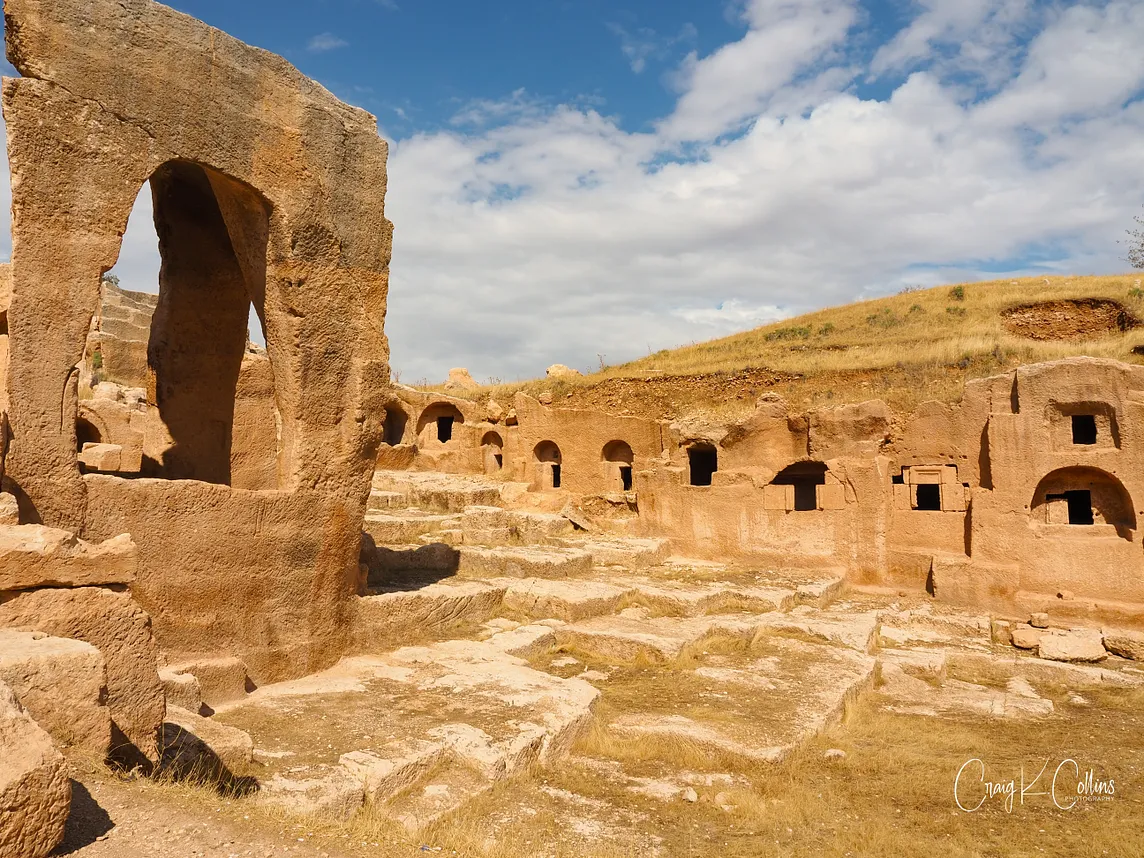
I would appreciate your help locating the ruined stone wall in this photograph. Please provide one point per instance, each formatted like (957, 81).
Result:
(582, 438)
(267, 191)
(976, 501)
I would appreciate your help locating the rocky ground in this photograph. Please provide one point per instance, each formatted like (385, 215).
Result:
(525, 688)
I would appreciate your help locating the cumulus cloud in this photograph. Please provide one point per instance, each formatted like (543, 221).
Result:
(530, 233)
(323, 42)
(771, 189)
(981, 38)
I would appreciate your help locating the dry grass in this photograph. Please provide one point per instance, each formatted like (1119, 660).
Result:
(891, 796)
(904, 349)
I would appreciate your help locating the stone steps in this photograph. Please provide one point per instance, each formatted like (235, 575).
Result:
(629, 552)
(492, 716)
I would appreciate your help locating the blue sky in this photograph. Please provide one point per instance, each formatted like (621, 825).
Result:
(577, 180)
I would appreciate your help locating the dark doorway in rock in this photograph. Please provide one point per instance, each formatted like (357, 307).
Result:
(929, 496)
(1080, 506)
(703, 462)
(445, 428)
(85, 433)
(394, 427)
(806, 477)
(1084, 429)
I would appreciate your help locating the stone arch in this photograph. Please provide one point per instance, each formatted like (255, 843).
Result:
(1083, 496)
(86, 432)
(493, 446)
(393, 429)
(618, 458)
(437, 421)
(618, 451)
(548, 460)
(213, 232)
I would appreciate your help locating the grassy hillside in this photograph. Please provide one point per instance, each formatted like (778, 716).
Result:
(905, 349)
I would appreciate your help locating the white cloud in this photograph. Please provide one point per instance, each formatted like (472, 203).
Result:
(643, 43)
(979, 37)
(787, 38)
(325, 42)
(530, 233)
(731, 315)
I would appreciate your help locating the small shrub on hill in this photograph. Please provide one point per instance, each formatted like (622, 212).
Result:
(884, 318)
(957, 293)
(792, 333)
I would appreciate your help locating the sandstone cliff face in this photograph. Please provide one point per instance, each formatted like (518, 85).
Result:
(267, 191)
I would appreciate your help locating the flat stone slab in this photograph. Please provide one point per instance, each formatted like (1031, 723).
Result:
(404, 527)
(856, 630)
(657, 639)
(524, 562)
(686, 599)
(788, 692)
(435, 491)
(32, 556)
(399, 723)
(392, 615)
(562, 599)
(630, 552)
(1076, 645)
(913, 696)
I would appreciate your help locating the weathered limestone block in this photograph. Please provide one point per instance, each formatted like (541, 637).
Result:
(1025, 636)
(559, 370)
(394, 767)
(1072, 645)
(35, 792)
(849, 430)
(9, 508)
(61, 683)
(32, 555)
(333, 792)
(220, 680)
(194, 745)
(101, 457)
(460, 379)
(181, 689)
(386, 619)
(1125, 643)
(115, 625)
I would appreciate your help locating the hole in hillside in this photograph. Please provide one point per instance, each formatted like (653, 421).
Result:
(547, 457)
(1083, 429)
(626, 477)
(703, 462)
(437, 422)
(86, 433)
(929, 497)
(806, 477)
(393, 430)
(444, 428)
